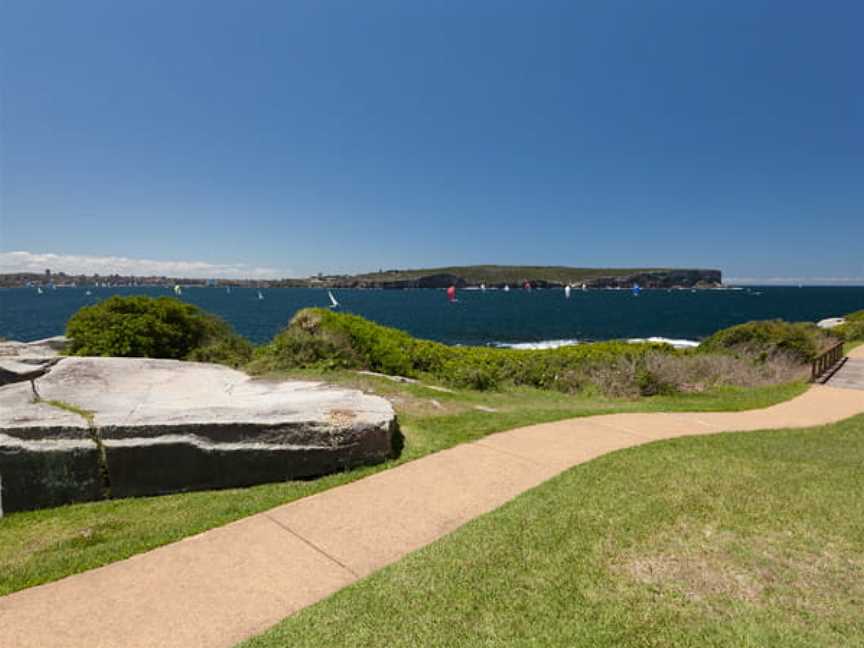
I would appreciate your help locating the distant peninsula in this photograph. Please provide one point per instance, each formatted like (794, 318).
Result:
(499, 276)
(490, 276)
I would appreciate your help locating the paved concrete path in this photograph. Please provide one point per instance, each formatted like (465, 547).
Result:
(227, 584)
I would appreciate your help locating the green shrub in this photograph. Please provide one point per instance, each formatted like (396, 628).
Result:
(233, 351)
(764, 340)
(461, 374)
(853, 329)
(147, 327)
(319, 338)
(652, 384)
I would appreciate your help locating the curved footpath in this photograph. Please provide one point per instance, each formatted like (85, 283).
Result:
(229, 583)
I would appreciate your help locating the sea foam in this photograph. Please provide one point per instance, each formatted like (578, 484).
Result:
(542, 344)
(554, 344)
(678, 344)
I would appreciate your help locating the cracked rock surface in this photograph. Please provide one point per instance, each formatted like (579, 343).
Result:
(167, 425)
(21, 361)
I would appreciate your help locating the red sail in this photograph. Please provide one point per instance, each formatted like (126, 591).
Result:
(451, 293)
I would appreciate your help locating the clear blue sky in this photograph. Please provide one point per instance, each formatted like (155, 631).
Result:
(345, 136)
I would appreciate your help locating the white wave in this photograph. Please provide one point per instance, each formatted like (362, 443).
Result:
(554, 344)
(678, 344)
(542, 344)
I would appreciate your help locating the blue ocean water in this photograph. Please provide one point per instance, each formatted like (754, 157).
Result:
(476, 318)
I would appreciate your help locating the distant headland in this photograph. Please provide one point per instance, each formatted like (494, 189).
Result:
(490, 276)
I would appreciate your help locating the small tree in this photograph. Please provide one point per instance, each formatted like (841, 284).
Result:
(147, 327)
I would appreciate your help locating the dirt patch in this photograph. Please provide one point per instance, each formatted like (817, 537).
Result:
(418, 406)
(696, 577)
(778, 570)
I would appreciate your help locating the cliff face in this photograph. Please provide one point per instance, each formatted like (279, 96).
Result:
(662, 279)
(441, 280)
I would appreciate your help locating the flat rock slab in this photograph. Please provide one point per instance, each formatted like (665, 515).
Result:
(47, 348)
(21, 361)
(159, 426)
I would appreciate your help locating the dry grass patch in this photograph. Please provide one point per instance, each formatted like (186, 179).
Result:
(664, 373)
(718, 568)
(700, 372)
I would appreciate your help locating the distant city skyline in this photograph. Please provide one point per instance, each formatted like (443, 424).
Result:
(216, 139)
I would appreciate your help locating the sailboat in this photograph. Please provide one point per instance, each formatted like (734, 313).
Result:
(636, 290)
(451, 294)
(506, 288)
(260, 296)
(228, 290)
(333, 302)
(88, 293)
(38, 290)
(177, 289)
(567, 291)
(483, 287)
(584, 287)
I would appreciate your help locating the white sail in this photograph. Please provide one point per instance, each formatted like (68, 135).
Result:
(483, 287)
(38, 291)
(178, 290)
(333, 302)
(506, 288)
(567, 291)
(260, 296)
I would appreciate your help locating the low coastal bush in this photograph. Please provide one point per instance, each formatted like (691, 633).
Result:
(147, 327)
(319, 338)
(770, 339)
(322, 339)
(852, 329)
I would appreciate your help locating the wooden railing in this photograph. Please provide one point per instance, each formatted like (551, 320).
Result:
(825, 361)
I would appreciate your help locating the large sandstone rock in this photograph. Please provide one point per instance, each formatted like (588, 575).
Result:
(160, 426)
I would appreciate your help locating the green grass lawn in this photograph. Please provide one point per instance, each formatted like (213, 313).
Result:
(740, 539)
(41, 546)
